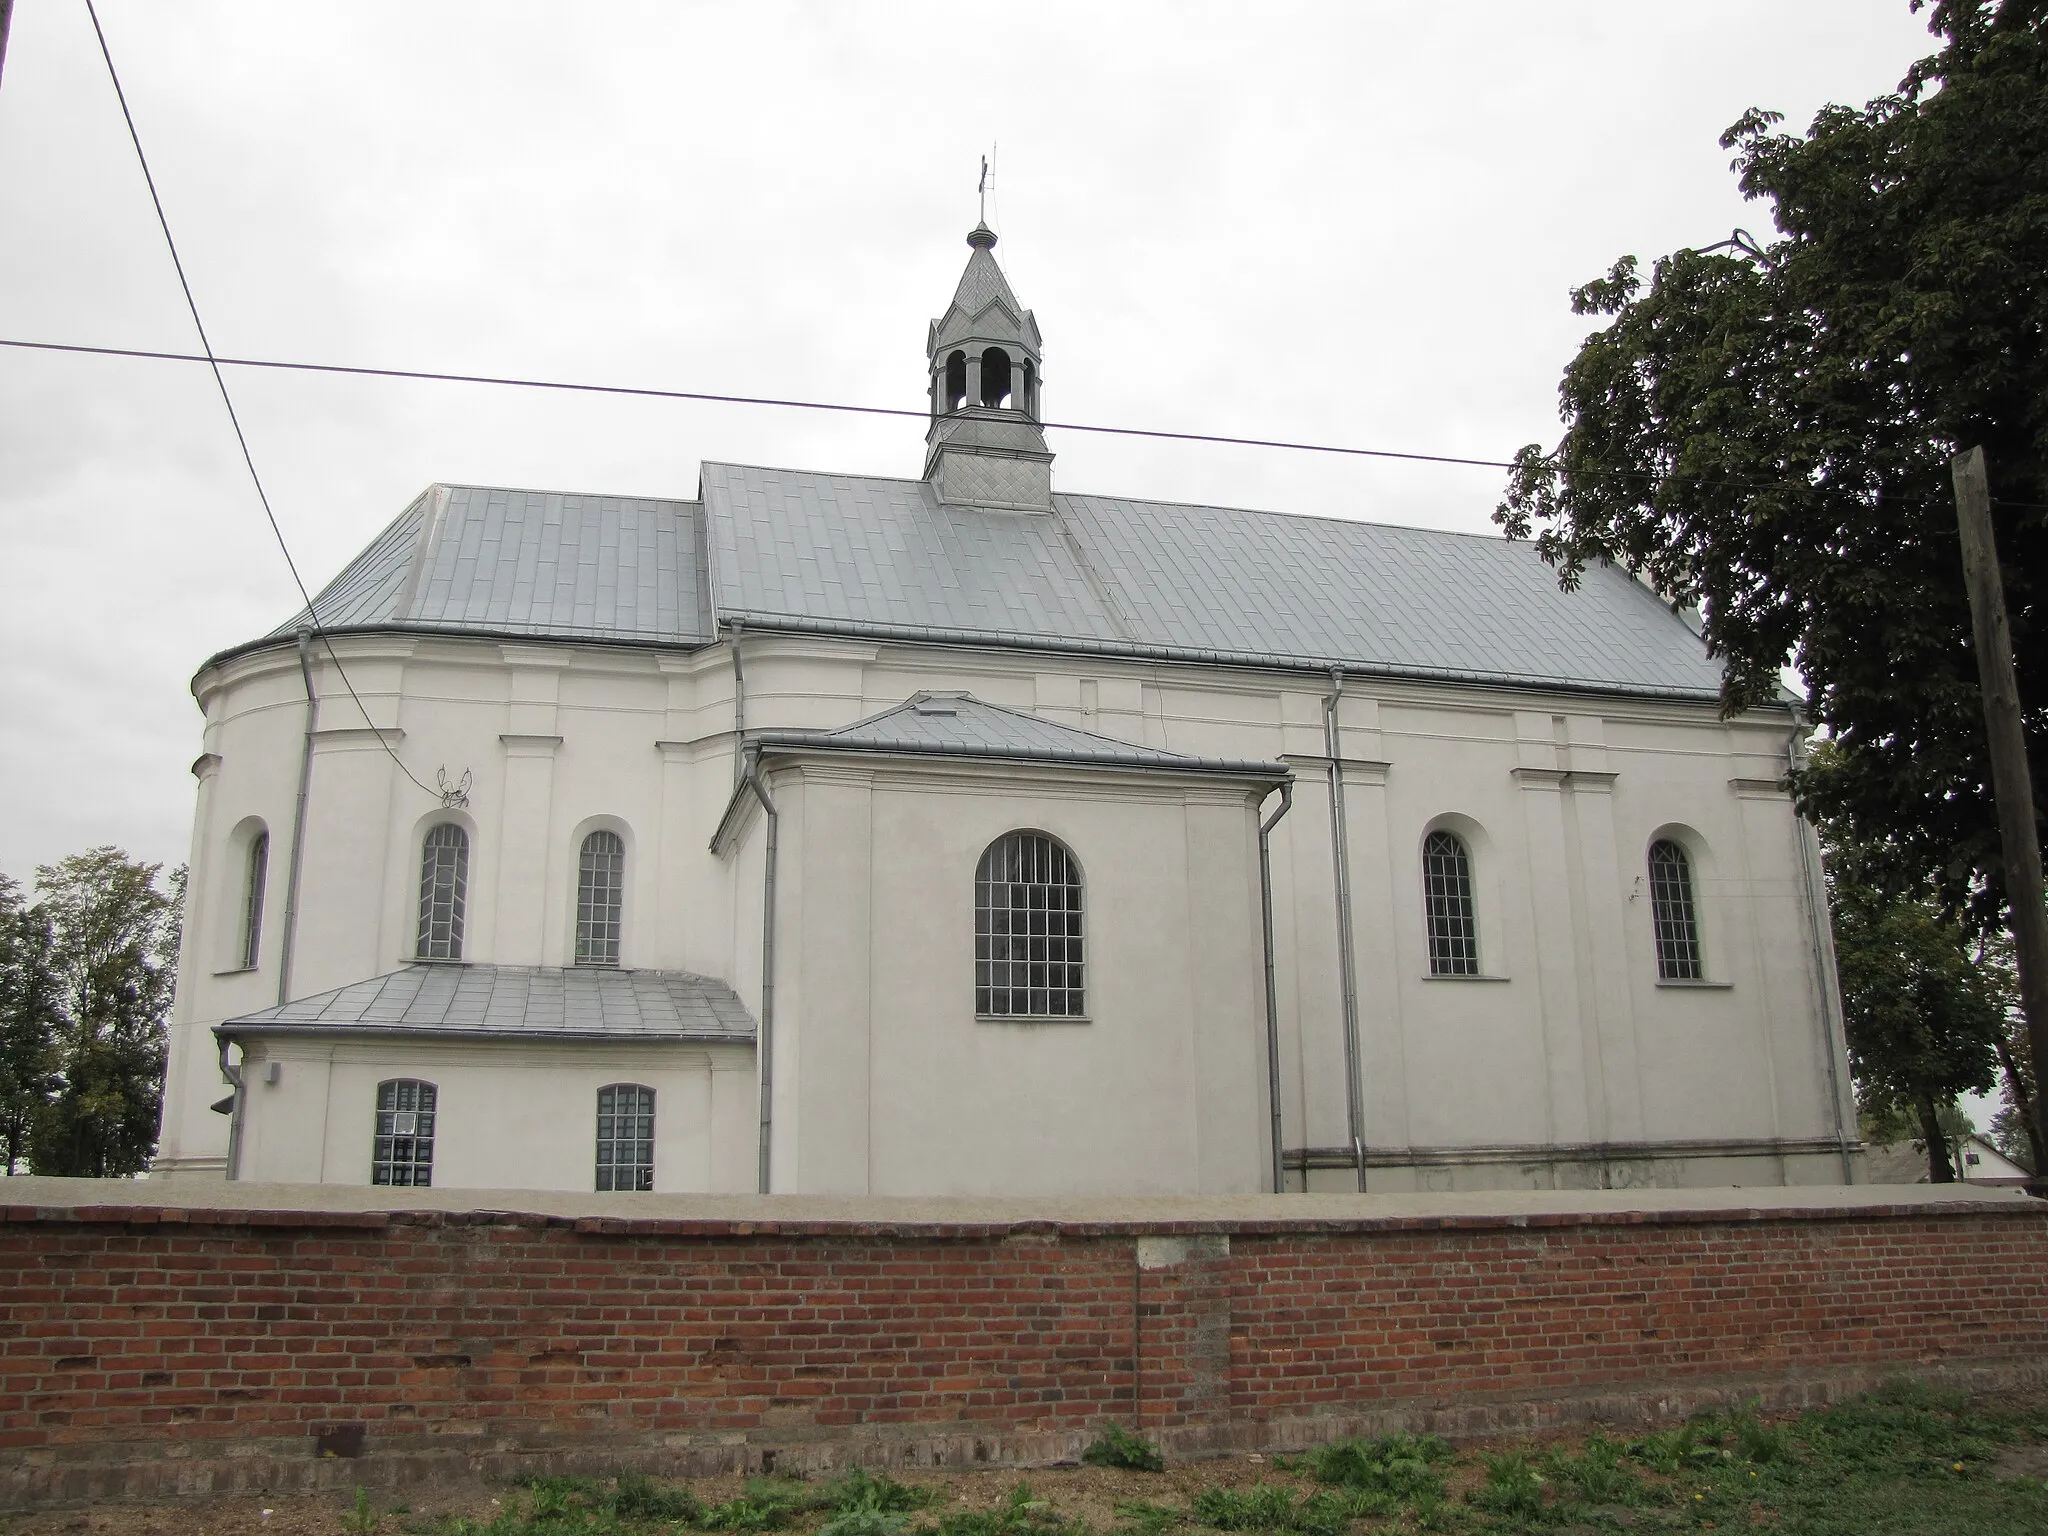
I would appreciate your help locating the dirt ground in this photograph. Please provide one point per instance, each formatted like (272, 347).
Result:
(1089, 1493)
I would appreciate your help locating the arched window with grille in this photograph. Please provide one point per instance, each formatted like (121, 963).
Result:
(600, 899)
(444, 891)
(625, 1136)
(1448, 916)
(403, 1149)
(1028, 940)
(254, 879)
(1673, 913)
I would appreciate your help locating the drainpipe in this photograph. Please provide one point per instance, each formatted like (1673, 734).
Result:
(766, 1044)
(1340, 856)
(291, 888)
(1272, 992)
(739, 704)
(232, 1074)
(1823, 965)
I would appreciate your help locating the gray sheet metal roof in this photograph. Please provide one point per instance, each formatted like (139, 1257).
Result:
(541, 563)
(960, 725)
(515, 1002)
(867, 555)
(860, 555)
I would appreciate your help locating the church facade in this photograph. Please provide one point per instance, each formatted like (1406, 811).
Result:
(956, 835)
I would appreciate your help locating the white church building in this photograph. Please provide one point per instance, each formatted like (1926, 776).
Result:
(955, 834)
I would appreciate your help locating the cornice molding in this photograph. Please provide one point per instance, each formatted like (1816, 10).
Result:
(1759, 789)
(1598, 783)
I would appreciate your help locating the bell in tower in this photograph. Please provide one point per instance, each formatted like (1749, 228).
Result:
(985, 447)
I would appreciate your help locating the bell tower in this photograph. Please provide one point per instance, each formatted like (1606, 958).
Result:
(985, 447)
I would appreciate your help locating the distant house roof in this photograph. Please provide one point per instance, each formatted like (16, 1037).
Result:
(515, 1002)
(884, 558)
(960, 725)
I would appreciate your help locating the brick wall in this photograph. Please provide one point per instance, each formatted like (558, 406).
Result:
(150, 1350)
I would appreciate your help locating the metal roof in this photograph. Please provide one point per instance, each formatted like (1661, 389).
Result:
(869, 556)
(515, 1002)
(860, 554)
(535, 563)
(960, 725)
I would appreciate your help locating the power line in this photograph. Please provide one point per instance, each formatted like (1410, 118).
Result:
(710, 397)
(510, 381)
(227, 400)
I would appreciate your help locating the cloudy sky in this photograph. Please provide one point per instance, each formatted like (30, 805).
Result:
(1350, 223)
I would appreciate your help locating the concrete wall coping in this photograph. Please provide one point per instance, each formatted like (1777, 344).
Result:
(191, 1202)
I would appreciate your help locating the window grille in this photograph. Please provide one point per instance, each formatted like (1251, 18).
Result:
(600, 894)
(1027, 929)
(404, 1147)
(1671, 910)
(444, 891)
(252, 900)
(625, 1137)
(1447, 906)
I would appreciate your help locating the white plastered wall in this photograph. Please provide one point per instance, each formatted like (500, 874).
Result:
(1575, 1066)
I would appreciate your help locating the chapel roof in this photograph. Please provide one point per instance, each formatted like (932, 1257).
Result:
(959, 725)
(869, 556)
(515, 1002)
(546, 564)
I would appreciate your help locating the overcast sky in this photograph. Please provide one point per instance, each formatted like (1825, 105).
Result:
(1348, 223)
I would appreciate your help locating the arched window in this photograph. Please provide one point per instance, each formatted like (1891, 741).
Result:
(600, 895)
(1027, 393)
(403, 1152)
(444, 891)
(995, 376)
(254, 879)
(625, 1137)
(1027, 929)
(1447, 906)
(1673, 914)
(956, 381)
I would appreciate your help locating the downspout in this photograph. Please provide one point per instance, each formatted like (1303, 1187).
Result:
(766, 1044)
(1272, 989)
(739, 704)
(1340, 857)
(231, 1073)
(1831, 1025)
(291, 888)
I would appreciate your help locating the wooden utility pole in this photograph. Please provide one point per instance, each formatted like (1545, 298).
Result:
(2012, 783)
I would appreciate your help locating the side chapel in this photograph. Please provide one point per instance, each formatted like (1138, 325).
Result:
(836, 834)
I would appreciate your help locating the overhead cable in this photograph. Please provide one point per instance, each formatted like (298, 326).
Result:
(212, 362)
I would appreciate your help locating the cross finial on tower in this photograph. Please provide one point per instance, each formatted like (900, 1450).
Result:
(981, 189)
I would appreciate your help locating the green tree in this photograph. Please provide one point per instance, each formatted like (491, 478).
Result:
(114, 952)
(1769, 438)
(1924, 1022)
(30, 1018)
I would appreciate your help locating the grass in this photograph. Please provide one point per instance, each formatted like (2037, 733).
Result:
(1905, 1461)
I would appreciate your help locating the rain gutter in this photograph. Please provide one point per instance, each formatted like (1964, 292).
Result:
(1286, 787)
(1347, 958)
(765, 1045)
(739, 702)
(291, 889)
(1833, 1032)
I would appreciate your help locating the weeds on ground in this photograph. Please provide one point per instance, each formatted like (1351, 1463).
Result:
(1023, 1513)
(1120, 1447)
(1401, 1465)
(1907, 1459)
(361, 1520)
